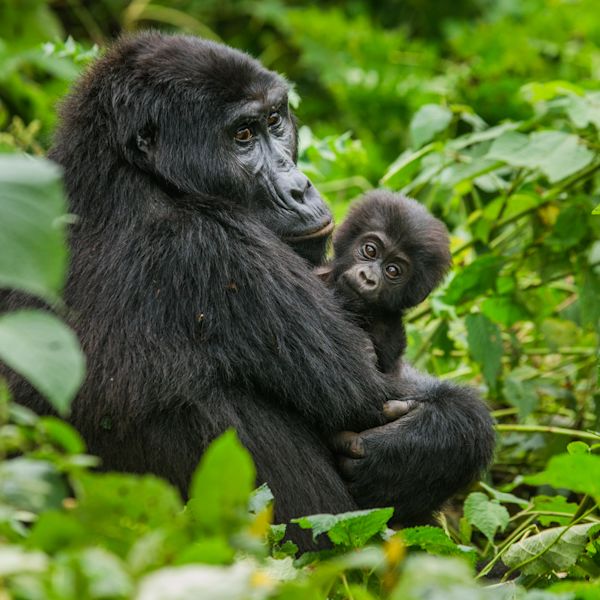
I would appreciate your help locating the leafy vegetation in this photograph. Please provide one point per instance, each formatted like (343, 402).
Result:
(489, 114)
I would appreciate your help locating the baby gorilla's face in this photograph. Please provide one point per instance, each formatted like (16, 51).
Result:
(377, 270)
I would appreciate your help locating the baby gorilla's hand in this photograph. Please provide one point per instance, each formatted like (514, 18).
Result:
(352, 447)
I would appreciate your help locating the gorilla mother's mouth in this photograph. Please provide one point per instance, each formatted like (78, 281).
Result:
(312, 234)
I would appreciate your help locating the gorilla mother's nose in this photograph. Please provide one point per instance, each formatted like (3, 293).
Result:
(298, 185)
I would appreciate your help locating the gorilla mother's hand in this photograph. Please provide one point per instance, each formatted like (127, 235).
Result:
(437, 441)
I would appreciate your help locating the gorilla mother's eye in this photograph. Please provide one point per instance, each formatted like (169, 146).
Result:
(393, 271)
(274, 119)
(244, 134)
(369, 250)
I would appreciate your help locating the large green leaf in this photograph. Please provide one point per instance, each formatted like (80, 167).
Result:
(487, 515)
(577, 472)
(555, 549)
(222, 485)
(32, 237)
(429, 120)
(46, 352)
(555, 153)
(485, 345)
(353, 529)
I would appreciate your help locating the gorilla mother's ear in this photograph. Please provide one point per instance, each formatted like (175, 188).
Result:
(145, 141)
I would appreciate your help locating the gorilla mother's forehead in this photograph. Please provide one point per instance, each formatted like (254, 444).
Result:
(225, 74)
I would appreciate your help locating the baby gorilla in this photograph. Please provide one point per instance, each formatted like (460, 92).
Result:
(390, 253)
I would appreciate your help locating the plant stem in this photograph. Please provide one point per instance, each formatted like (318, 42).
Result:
(585, 435)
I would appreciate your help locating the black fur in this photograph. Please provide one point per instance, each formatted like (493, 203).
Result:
(195, 316)
(406, 237)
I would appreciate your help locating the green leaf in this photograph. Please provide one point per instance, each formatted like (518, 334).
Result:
(578, 472)
(212, 550)
(556, 554)
(351, 529)
(104, 574)
(222, 485)
(570, 228)
(521, 392)
(489, 516)
(32, 237)
(260, 498)
(434, 541)
(405, 166)
(596, 211)
(46, 352)
(554, 504)
(555, 153)
(117, 509)
(15, 560)
(427, 577)
(63, 434)
(31, 485)
(485, 346)
(474, 279)
(429, 120)
(504, 310)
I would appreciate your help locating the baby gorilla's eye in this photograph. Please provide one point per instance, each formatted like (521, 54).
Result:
(243, 134)
(370, 250)
(393, 271)
(274, 119)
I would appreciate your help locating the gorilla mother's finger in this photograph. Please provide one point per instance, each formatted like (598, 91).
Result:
(394, 409)
(348, 444)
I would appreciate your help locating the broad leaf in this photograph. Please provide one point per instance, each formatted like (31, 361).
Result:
(485, 345)
(578, 472)
(555, 153)
(489, 516)
(222, 485)
(353, 529)
(32, 238)
(555, 549)
(429, 120)
(44, 351)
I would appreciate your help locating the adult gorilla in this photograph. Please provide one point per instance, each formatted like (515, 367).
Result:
(195, 315)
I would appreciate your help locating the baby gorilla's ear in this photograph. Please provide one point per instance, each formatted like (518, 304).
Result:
(428, 273)
(324, 272)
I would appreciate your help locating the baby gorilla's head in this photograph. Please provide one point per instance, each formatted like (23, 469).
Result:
(390, 253)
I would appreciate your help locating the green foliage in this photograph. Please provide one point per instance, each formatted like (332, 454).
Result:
(491, 122)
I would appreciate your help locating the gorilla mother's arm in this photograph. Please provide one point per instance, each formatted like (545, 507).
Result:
(267, 323)
(417, 461)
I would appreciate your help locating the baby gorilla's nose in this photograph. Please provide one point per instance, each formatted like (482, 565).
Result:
(367, 278)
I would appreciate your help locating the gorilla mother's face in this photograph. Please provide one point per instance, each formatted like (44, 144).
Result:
(218, 123)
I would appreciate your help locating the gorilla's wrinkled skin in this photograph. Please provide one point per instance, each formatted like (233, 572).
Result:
(195, 313)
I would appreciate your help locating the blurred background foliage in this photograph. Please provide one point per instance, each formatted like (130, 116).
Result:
(486, 111)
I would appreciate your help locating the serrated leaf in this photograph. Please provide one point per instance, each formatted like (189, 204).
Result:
(485, 346)
(44, 351)
(559, 548)
(434, 541)
(33, 242)
(429, 120)
(489, 516)
(352, 529)
(579, 472)
(222, 484)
